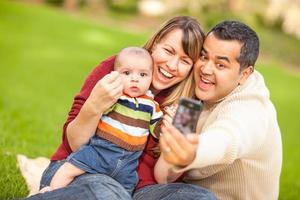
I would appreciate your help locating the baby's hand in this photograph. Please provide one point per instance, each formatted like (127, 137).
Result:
(45, 189)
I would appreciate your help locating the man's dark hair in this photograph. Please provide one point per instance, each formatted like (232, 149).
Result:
(235, 30)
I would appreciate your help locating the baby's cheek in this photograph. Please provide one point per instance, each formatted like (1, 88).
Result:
(123, 77)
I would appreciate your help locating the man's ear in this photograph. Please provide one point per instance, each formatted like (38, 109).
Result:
(245, 74)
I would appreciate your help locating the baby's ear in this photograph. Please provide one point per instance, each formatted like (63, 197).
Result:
(245, 74)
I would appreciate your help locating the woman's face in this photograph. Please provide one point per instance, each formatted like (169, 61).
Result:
(171, 64)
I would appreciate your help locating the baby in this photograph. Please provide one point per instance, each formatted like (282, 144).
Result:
(123, 129)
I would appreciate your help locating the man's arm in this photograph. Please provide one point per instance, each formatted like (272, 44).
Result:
(229, 137)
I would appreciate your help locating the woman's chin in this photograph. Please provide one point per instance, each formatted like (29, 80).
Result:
(158, 86)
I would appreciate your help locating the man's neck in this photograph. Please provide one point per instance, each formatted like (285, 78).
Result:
(209, 105)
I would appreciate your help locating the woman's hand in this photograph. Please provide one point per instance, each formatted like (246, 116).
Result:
(176, 148)
(169, 112)
(106, 92)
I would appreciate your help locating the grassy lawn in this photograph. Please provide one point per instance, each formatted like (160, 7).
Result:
(45, 56)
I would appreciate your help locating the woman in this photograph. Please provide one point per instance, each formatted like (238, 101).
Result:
(174, 48)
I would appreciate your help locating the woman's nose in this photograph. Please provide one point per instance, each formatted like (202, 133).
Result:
(173, 63)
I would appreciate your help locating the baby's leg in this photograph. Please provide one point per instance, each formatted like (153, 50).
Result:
(65, 175)
(45, 189)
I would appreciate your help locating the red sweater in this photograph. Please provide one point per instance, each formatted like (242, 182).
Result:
(148, 158)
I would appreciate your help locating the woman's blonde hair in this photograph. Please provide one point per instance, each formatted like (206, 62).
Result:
(192, 41)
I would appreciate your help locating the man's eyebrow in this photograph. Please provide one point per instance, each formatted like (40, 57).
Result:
(223, 58)
(218, 57)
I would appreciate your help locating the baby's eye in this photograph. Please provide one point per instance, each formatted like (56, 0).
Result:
(126, 72)
(143, 74)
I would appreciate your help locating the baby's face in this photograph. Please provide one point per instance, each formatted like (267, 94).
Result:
(136, 74)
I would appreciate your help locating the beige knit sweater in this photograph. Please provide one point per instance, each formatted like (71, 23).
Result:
(240, 151)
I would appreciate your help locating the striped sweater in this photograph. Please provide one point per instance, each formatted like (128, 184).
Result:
(128, 122)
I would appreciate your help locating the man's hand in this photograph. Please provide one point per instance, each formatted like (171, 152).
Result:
(176, 148)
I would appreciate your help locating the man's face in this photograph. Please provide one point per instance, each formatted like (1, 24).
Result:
(217, 72)
(136, 73)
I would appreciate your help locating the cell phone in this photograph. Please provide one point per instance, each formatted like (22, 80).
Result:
(187, 114)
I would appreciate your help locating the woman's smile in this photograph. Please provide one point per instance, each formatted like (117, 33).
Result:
(165, 73)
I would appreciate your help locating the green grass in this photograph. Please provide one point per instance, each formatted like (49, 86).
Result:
(45, 54)
(284, 88)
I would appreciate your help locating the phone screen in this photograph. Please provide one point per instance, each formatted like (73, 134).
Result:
(187, 115)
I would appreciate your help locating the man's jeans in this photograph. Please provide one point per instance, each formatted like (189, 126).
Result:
(173, 191)
(99, 186)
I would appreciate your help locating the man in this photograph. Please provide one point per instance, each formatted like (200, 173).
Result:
(238, 153)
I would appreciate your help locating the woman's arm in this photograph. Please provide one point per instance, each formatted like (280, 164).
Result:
(163, 171)
(105, 93)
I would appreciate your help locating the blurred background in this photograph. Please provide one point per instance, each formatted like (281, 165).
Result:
(47, 48)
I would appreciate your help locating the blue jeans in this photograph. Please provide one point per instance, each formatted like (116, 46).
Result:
(173, 191)
(101, 156)
(99, 186)
(86, 186)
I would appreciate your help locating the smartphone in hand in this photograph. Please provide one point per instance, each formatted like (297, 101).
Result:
(187, 114)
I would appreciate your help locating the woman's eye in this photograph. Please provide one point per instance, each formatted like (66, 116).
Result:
(168, 51)
(186, 62)
(126, 72)
(143, 74)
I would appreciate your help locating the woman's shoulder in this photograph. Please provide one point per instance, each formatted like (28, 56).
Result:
(104, 67)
